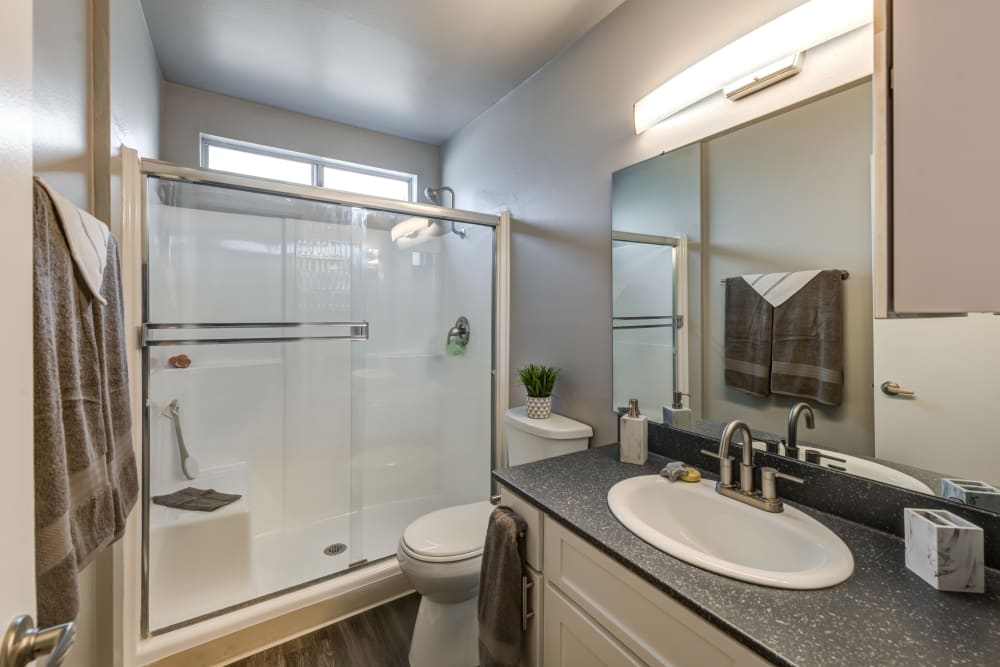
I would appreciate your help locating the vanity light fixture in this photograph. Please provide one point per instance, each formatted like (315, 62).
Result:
(764, 77)
(804, 27)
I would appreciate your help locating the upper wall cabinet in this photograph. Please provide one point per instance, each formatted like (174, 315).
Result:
(944, 139)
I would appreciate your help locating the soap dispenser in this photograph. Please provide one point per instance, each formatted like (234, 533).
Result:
(634, 446)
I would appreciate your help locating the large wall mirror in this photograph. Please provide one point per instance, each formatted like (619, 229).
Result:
(781, 209)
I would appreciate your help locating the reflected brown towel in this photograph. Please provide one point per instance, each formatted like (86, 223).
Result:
(808, 341)
(199, 500)
(500, 590)
(747, 339)
(85, 473)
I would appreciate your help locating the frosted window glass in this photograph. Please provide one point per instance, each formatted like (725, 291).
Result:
(255, 164)
(366, 184)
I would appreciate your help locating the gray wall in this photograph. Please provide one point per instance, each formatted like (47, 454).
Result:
(789, 193)
(187, 112)
(63, 153)
(135, 89)
(547, 151)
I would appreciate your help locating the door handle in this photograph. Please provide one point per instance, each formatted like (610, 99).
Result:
(23, 642)
(892, 388)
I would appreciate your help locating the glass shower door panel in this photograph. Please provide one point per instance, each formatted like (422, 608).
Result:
(422, 411)
(265, 414)
(643, 326)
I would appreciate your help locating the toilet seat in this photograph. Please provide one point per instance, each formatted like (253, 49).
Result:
(448, 535)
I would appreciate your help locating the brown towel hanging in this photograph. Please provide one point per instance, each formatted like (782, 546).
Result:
(500, 584)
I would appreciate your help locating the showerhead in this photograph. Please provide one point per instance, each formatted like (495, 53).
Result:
(434, 194)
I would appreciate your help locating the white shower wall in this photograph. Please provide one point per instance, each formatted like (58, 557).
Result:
(328, 441)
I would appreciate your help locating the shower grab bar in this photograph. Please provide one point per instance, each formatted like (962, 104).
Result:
(676, 322)
(154, 334)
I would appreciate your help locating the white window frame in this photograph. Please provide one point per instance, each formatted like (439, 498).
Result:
(317, 162)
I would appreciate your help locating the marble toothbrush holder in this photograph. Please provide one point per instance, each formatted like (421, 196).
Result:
(944, 550)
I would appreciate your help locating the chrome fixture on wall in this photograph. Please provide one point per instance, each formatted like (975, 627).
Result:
(434, 194)
(458, 337)
(189, 464)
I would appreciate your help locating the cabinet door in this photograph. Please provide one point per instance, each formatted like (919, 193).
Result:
(945, 142)
(573, 639)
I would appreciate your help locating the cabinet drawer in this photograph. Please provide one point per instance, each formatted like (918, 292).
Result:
(572, 639)
(533, 517)
(652, 626)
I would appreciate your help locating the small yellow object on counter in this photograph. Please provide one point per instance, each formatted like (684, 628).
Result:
(692, 475)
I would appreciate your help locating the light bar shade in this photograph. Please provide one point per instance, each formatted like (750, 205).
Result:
(804, 27)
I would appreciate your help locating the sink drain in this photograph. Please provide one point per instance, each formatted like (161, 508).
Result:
(335, 549)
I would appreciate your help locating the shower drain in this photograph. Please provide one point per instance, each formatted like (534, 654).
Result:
(335, 549)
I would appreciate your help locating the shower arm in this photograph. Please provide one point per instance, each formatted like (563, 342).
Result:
(434, 194)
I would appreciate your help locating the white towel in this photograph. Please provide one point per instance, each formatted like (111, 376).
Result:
(87, 238)
(778, 288)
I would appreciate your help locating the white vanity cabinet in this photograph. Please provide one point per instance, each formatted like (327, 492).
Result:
(945, 225)
(590, 611)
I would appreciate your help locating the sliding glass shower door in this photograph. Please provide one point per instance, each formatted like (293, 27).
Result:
(301, 404)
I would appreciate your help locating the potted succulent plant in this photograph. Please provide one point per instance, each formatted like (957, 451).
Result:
(538, 381)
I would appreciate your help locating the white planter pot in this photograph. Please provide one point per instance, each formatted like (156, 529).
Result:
(539, 408)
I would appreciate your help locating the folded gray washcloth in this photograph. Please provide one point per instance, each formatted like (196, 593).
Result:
(199, 500)
(500, 590)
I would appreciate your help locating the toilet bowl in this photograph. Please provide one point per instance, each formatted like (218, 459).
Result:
(441, 552)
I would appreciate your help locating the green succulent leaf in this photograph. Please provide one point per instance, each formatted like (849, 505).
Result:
(538, 380)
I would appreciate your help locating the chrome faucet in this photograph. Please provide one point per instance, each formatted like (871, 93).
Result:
(792, 446)
(744, 492)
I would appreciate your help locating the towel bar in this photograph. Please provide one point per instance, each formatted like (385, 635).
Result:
(526, 585)
(844, 275)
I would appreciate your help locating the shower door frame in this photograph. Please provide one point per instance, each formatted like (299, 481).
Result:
(137, 643)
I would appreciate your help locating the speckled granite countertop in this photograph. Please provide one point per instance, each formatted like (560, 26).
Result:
(883, 615)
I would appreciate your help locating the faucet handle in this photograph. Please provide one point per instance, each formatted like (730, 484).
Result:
(726, 467)
(768, 483)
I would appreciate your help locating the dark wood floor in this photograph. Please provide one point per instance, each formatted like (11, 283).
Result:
(379, 637)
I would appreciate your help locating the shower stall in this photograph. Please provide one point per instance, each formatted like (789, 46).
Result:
(309, 384)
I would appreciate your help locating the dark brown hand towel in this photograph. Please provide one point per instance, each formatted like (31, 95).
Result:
(747, 339)
(85, 473)
(808, 341)
(199, 500)
(500, 590)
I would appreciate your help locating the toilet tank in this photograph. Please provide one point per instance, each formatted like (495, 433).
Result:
(534, 439)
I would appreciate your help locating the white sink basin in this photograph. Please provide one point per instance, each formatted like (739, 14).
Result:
(692, 522)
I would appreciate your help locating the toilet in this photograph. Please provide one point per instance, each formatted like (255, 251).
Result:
(441, 552)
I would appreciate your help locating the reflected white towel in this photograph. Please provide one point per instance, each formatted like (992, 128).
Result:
(778, 288)
(87, 238)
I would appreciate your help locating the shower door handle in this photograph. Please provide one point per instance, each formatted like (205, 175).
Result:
(220, 333)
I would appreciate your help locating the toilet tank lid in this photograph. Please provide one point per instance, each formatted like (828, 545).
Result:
(556, 427)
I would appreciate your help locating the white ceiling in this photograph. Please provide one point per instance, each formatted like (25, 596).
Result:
(415, 68)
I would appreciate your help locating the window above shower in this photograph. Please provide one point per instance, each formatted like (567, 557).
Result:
(278, 164)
